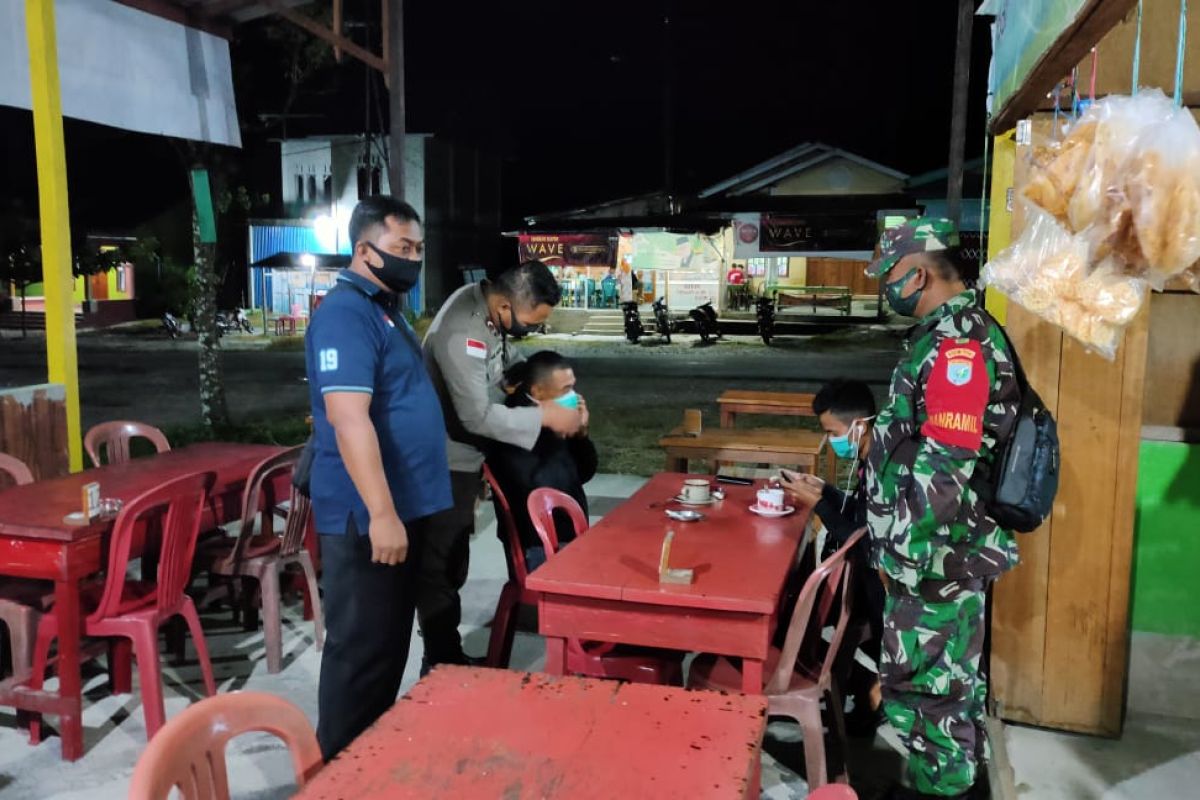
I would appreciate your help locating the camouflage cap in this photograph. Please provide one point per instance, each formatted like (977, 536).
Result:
(920, 235)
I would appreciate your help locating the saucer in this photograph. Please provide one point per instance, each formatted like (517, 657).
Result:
(687, 515)
(762, 512)
(681, 499)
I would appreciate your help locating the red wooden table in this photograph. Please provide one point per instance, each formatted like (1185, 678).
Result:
(604, 586)
(467, 732)
(36, 543)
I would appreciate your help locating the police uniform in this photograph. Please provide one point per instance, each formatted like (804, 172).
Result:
(466, 356)
(953, 397)
(358, 343)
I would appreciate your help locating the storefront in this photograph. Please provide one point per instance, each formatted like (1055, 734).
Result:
(787, 255)
(684, 268)
(580, 261)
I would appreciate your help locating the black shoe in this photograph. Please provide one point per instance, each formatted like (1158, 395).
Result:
(462, 660)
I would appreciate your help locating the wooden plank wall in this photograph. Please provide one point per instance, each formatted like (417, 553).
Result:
(842, 272)
(1173, 362)
(33, 428)
(1060, 638)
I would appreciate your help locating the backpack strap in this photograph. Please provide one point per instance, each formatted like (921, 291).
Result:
(1022, 381)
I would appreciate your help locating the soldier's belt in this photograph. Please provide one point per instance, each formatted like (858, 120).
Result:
(933, 591)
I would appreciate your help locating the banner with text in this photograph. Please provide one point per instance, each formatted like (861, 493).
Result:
(567, 249)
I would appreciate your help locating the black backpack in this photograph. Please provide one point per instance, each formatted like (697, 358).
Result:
(1019, 485)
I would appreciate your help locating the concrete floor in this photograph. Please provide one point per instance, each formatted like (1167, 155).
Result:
(1159, 757)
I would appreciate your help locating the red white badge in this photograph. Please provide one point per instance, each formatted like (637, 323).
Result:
(956, 395)
(476, 348)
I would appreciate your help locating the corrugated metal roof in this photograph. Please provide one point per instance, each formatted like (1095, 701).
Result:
(267, 240)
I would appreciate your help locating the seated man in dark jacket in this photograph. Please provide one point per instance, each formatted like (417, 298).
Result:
(559, 463)
(845, 410)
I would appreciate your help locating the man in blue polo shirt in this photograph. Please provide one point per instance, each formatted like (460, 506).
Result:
(379, 468)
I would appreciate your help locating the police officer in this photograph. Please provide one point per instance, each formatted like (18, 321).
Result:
(467, 350)
(379, 468)
(953, 397)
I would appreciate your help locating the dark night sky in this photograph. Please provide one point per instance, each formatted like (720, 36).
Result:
(571, 94)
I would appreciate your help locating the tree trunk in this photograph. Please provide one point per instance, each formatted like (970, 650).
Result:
(204, 313)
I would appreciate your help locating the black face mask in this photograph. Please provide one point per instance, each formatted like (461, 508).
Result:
(515, 328)
(397, 274)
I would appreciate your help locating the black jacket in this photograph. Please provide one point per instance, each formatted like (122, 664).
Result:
(554, 462)
(842, 515)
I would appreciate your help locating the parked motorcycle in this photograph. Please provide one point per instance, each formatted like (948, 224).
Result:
(662, 319)
(705, 318)
(634, 329)
(233, 322)
(765, 311)
(171, 326)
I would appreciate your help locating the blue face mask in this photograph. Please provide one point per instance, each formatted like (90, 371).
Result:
(568, 400)
(843, 447)
(846, 445)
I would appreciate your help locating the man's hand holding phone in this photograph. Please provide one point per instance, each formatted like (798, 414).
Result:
(805, 488)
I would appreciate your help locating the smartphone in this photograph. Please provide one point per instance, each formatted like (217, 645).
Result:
(789, 476)
(734, 480)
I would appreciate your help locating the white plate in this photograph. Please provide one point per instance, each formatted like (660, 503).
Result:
(681, 499)
(762, 512)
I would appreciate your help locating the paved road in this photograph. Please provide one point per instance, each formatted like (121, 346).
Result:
(153, 379)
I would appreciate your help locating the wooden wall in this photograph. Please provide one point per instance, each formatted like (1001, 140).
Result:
(1060, 621)
(842, 272)
(33, 428)
(1160, 31)
(1173, 362)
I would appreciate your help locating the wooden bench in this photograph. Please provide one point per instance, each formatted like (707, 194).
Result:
(789, 448)
(839, 297)
(780, 404)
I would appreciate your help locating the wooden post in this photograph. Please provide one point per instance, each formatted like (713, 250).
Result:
(958, 115)
(61, 356)
(1004, 154)
(394, 36)
(337, 28)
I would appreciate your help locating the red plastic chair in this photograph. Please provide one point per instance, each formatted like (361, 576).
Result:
(599, 659)
(263, 556)
(112, 439)
(15, 468)
(135, 610)
(22, 602)
(800, 676)
(514, 593)
(189, 752)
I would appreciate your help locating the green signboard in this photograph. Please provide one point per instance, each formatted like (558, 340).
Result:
(1022, 33)
(202, 197)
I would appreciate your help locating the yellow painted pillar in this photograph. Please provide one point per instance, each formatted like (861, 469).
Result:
(1004, 154)
(55, 221)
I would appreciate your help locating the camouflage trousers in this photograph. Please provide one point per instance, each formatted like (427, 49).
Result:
(933, 692)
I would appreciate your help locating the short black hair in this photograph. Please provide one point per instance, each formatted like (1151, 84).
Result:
(529, 285)
(948, 263)
(375, 210)
(846, 399)
(535, 369)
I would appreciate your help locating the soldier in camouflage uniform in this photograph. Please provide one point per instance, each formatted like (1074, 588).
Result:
(953, 397)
